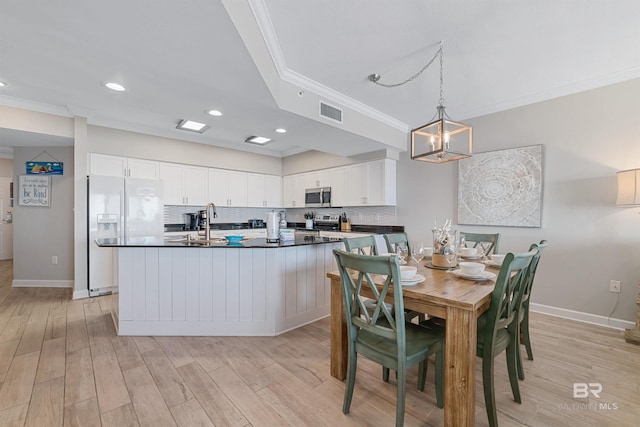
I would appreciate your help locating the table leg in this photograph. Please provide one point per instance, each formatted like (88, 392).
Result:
(338, 332)
(460, 368)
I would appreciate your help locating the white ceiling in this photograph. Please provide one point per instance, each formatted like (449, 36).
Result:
(179, 61)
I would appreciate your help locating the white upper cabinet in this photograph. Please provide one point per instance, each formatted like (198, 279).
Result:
(264, 190)
(227, 188)
(288, 191)
(372, 183)
(195, 185)
(141, 168)
(293, 187)
(184, 184)
(363, 184)
(321, 178)
(339, 187)
(356, 185)
(104, 164)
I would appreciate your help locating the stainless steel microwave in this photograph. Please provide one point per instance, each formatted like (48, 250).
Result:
(317, 197)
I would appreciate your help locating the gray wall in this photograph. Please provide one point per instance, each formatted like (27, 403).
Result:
(131, 144)
(41, 232)
(587, 138)
(6, 168)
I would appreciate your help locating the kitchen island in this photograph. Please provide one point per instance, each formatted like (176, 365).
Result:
(169, 287)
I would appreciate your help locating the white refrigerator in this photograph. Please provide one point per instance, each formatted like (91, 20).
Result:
(120, 208)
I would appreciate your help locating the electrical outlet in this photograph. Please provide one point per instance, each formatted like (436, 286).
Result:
(614, 286)
(54, 260)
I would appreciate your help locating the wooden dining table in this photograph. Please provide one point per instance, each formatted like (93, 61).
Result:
(444, 295)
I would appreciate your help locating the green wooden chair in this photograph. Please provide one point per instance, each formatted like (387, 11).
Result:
(523, 315)
(365, 245)
(498, 327)
(394, 239)
(381, 337)
(477, 238)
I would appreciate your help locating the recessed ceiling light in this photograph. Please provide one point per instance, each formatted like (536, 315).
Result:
(2, 84)
(260, 140)
(214, 113)
(115, 86)
(192, 126)
(281, 130)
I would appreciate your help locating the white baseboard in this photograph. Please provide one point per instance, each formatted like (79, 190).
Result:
(81, 294)
(42, 283)
(593, 319)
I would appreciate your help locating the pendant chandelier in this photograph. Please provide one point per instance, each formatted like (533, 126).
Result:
(441, 140)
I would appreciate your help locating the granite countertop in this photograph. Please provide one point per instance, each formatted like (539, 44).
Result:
(154, 242)
(355, 228)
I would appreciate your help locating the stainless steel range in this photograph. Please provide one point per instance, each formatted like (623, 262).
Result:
(321, 223)
(327, 222)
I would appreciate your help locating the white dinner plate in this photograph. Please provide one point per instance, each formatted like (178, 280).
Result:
(418, 278)
(485, 275)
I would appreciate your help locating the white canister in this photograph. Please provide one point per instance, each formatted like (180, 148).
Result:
(273, 227)
(309, 224)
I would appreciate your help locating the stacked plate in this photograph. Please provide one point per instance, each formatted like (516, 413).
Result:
(418, 278)
(485, 275)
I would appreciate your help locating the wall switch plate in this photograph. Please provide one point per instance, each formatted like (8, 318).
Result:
(614, 286)
(54, 260)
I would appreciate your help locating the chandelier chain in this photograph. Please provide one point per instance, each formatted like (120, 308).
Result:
(438, 54)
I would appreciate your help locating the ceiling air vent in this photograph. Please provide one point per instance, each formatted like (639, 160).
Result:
(330, 112)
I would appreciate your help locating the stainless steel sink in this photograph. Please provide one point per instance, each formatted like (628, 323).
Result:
(196, 241)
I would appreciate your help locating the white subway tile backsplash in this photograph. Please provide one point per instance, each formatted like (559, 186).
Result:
(379, 215)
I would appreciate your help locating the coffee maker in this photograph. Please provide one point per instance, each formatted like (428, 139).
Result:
(194, 221)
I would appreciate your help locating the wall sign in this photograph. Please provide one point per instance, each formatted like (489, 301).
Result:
(34, 190)
(44, 168)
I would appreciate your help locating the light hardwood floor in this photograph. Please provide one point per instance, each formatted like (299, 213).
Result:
(61, 363)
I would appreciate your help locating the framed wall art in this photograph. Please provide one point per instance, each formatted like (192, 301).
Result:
(501, 188)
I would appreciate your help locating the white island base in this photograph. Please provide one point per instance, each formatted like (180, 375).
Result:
(220, 291)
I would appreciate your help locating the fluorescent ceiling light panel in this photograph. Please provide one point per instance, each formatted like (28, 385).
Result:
(260, 140)
(192, 126)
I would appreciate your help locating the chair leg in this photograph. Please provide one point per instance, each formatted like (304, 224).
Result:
(351, 379)
(402, 380)
(440, 378)
(512, 353)
(422, 373)
(519, 362)
(525, 333)
(489, 392)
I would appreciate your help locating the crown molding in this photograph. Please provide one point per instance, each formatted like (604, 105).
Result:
(265, 25)
(556, 92)
(39, 107)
